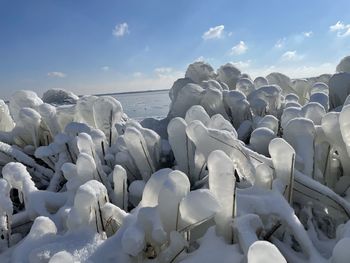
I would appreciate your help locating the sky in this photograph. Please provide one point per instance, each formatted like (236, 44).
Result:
(91, 46)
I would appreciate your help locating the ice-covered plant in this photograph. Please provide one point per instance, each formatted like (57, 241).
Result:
(23, 99)
(300, 134)
(283, 159)
(301, 87)
(245, 85)
(27, 127)
(212, 102)
(107, 111)
(144, 147)
(237, 107)
(207, 140)
(87, 210)
(260, 81)
(271, 95)
(222, 183)
(183, 148)
(120, 187)
(187, 96)
(6, 211)
(6, 121)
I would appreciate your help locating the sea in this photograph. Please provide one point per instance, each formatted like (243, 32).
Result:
(144, 104)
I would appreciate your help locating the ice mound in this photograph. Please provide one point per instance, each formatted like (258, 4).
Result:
(241, 169)
(59, 97)
(344, 65)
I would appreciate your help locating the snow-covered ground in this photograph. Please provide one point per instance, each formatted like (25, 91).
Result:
(240, 170)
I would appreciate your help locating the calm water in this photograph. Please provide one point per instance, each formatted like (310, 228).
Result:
(145, 104)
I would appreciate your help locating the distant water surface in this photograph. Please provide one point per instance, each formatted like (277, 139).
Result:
(146, 104)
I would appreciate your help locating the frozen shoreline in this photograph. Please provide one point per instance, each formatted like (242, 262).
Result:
(239, 170)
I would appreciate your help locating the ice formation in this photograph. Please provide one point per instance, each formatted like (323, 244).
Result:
(240, 170)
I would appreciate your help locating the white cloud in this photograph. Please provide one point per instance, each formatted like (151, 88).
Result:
(56, 74)
(338, 26)
(342, 30)
(242, 64)
(121, 30)
(302, 71)
(105, 68)
(308, 34)
(280, 43)
(239, 49)
(291, 56)
(292, 40)
(214, 32)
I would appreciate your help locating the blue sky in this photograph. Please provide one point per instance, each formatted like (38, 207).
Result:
(101, 46)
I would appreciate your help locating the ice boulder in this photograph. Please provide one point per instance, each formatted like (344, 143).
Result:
(59, 97)
(199, 71)
(260, 81)
(229, 74)
(344, 65)
(281, 80)
(301, 88)
(212, 83)
(339, 89)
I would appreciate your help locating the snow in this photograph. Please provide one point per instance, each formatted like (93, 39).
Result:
(341, 251)
(262, 251)
(238, 171)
